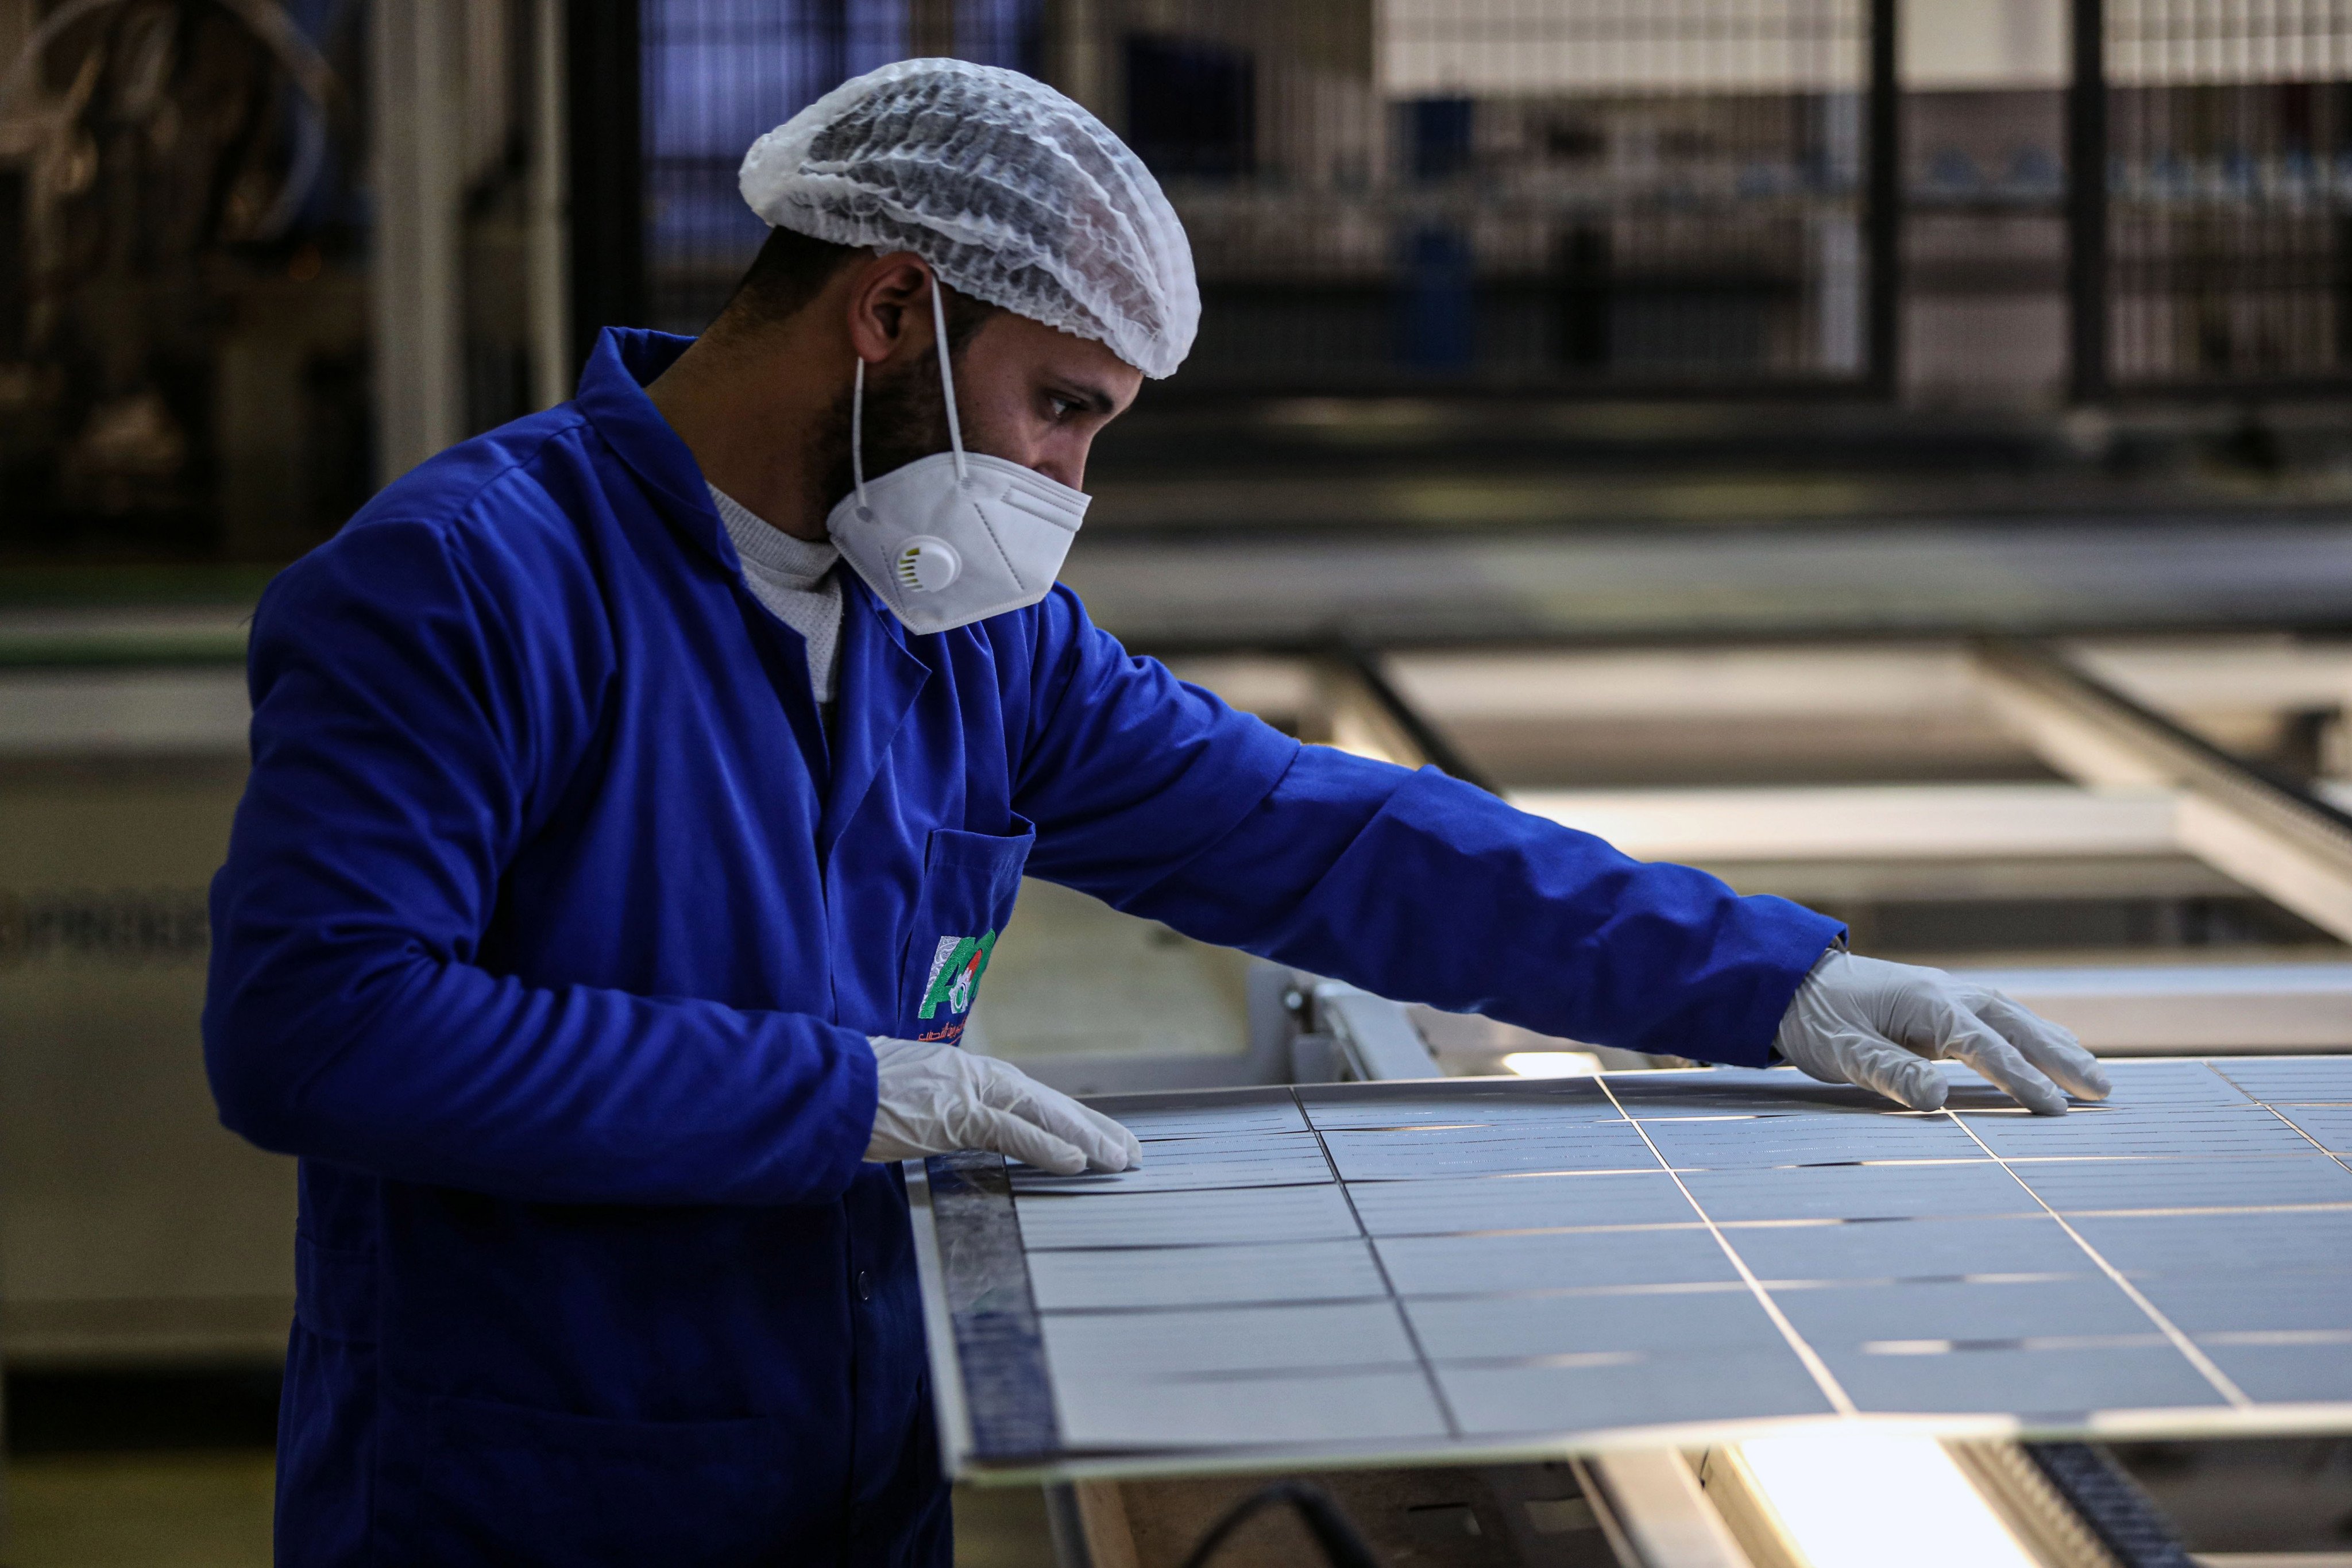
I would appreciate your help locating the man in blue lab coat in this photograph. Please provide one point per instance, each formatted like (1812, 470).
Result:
(616, 870)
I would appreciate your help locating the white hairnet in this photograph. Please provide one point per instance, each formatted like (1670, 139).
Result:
(1013, 193)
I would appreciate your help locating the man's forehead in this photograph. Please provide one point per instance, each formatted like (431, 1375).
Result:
(1090, 365)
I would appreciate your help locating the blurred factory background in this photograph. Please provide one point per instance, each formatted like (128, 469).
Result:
(255, 257)
(1645, 407)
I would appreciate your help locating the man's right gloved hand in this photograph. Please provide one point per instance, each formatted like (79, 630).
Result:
(1883, 1026)
(936, 1099)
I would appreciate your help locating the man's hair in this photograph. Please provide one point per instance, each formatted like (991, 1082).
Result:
(793, 269)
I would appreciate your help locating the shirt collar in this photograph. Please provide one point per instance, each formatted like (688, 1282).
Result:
(791, 563)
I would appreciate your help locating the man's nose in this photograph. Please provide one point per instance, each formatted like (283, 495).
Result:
(1064, 467)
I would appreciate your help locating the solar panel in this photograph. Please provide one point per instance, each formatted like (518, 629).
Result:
(1480, 1268)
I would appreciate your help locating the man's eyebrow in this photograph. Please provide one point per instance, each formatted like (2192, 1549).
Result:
(1093, 398)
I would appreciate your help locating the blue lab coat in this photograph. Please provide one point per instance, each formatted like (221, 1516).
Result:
(554, 922)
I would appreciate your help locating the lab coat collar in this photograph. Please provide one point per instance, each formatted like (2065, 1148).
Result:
(880, 673)
(613, 396)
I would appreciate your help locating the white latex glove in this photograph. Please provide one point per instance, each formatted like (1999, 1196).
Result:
(935, 1099)
(1876, 1024)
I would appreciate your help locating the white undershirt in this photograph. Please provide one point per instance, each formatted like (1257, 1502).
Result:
(794, 578)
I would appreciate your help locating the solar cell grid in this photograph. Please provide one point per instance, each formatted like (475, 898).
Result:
(2222, 1246)
(2322, 1080)
(1742, 1092)
(2288, 1373)
(1186, 1218)
(1147, 1346)
(1253, 1114)
(1110, 1279)
(1909, 1249)
(1578, 1260)
(1276, 1160)
(2211, 1131)
(1733, 1142)
(2059, 1380)
(1548, 1201)
(1406, 1154)
(1970, 1312)
(2073, 1186)
(1438, 1266)
(1743, 1384)
(2313, 1302)
(1949, 1189)
(2153, 1084)
(1400, 1105)
(1389, 1407)
(2329, 1126)
(1484, 1328)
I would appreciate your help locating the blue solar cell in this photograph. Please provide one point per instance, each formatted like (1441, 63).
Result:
(1860, 1192)
(2099, 1131)
(2077, 1186)
(1909, 1249)
(1408, 1153)
(1391, 1406)
(1976, 1312)
(1184, 1220)
(2289, 1374)
(2069, 1382)
(1213, 1340)
(1519, 1203)
(1247, 1112)
(2222, 1246)
(2294, 1080)
(1465, 1265)
(1740, 1091)
(1204, 1276)
(2329, 1126)
(2253, 1303)
(1732, 1143)
(1412, 1105)
(2146, 1083)
(1481, 1328)
(1697, 1386)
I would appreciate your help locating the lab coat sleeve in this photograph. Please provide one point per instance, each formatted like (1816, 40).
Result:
(1412, 885)
(414, 712)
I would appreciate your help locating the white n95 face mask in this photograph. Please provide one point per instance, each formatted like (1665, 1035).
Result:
(958, 536)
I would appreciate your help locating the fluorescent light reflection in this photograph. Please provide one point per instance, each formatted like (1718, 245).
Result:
(1844, 1494)
(1552, 1064)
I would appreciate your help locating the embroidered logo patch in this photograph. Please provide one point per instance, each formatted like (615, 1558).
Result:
(956, 969)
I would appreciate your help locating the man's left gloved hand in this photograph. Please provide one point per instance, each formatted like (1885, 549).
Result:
(930, 1098)
(1879, 1026)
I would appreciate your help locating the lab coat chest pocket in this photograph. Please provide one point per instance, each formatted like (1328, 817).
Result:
(969, 881)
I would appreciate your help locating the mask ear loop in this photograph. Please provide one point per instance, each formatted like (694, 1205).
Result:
(947, 376)
(857, 441)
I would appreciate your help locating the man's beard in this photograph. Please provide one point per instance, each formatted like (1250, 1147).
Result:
(906, 418)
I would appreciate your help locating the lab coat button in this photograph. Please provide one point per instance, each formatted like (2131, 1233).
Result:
(865, 1286)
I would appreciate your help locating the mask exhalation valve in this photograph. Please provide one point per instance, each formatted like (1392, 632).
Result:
(927, 565)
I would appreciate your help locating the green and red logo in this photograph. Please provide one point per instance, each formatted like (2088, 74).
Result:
(956, 967)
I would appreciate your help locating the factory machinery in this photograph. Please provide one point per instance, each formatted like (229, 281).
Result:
(2140, 838)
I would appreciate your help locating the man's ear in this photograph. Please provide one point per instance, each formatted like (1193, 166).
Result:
(889, 309)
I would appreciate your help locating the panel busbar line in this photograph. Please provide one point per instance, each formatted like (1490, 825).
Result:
(1820, 1371)
(1470, 1268)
